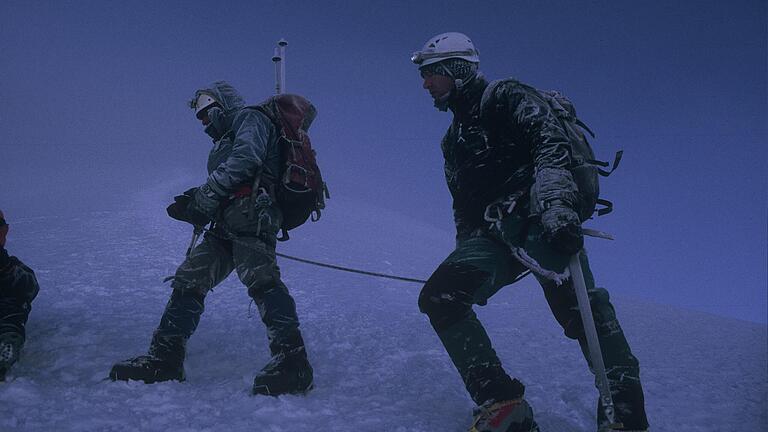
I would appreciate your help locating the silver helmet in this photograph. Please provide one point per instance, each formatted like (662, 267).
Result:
(446, 46)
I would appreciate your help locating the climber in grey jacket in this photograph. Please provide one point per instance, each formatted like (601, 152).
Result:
(238, 199)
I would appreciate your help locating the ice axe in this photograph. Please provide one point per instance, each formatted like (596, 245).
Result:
(198, 230)
(595, 353)
(195, 235)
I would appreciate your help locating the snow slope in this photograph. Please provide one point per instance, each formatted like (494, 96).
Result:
(378, 365)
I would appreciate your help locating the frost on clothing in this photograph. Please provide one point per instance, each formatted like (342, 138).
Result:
(502, 145)
(507, 153)
(18, 287)
(247, 143)
(242, 238)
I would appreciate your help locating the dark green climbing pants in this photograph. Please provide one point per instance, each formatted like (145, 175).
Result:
(483, 264)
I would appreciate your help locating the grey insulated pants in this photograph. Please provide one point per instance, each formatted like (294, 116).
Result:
(209, 264)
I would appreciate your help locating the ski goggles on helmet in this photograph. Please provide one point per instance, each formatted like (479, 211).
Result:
(3, 222)
(420, 57)
(201, 102)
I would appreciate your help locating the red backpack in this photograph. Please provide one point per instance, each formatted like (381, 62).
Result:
(300, 190)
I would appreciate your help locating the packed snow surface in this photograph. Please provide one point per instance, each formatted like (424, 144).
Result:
(378, 365)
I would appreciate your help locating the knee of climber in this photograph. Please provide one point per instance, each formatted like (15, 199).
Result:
(448, 295)
(259, 282)
(188, 292)
(598, 297)
(190, 286)
(603, 312)
(604, 319)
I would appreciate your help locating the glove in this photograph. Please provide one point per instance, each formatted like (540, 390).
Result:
(194, 206)
(204, 205)
(197, 206)
(568, 239)
(178, 210)
(562, 229)
(196, 217)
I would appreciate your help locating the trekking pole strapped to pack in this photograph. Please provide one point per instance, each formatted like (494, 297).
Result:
(279, 59)
(300, 190)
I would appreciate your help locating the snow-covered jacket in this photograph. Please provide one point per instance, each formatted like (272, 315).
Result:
(247, 143)
(18, 285)
(504, 143)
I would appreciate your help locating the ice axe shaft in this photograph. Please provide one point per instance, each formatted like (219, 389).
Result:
(595, 354)
(195, 235)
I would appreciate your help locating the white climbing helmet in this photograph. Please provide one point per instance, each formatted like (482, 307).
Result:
(445, 46)
(201, 102)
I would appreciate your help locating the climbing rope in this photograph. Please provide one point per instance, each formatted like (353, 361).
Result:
(320, 264)
(332, 266)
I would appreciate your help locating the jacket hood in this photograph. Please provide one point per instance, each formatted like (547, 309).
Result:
(223, 92)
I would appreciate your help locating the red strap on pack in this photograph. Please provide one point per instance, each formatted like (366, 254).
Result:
(243, 191)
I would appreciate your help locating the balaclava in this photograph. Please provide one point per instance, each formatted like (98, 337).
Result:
(460, 70)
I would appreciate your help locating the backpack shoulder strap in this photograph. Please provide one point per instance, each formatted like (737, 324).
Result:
(564, 107)
(488, 102)
(267, 108)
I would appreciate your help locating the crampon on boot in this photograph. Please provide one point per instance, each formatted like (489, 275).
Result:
(505, 416)
(286, 373)
(629, 406)
(147, 368)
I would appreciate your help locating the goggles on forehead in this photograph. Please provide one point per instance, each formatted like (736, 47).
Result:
(3, 222)
(201, 102)
(420, 56)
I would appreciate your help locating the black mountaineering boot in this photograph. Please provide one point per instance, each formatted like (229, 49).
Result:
(164, 362)
(165, 359)
(148, 369)
(288, 372)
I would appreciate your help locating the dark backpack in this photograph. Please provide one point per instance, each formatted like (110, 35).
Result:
(584, 167)
(299, 190)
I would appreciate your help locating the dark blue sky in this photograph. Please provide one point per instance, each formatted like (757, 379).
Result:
(93, 112)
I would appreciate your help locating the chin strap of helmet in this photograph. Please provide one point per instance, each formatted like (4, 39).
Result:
(460, 85)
